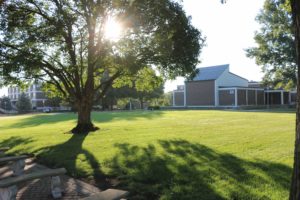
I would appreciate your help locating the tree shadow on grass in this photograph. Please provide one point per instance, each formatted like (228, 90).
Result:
(16, 144)
(173, 169)
(185, 170)
(72, 155)
(99, 117)
(64, 155)
(15, 141)
(69, 154)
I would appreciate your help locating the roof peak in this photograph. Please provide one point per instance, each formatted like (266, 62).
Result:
(210, 73)
(214, 66)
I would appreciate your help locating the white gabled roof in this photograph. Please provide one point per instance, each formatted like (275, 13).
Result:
(210, 73)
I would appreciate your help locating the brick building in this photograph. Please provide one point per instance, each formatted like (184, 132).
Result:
(216, 86)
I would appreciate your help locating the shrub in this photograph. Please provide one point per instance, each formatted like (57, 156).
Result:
(154, 108)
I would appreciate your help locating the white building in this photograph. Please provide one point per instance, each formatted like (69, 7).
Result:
(34, 92)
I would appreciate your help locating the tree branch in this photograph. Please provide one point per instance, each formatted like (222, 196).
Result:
(106, 84)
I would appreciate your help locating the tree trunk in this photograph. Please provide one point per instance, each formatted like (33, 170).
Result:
(111, 105)
(295, 186)
(142, 103)
(84, 123)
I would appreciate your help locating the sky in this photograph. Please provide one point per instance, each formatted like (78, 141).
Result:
(229, 29)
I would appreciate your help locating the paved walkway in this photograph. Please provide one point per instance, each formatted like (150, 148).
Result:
(39, 189)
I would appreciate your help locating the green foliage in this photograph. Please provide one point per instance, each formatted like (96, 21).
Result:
(144, 86)
(63, 43)
(122, 102)
(5, 103)
(276, 49)
(146, 80)
(51, 91)
(148, 86)
(164, 100)
(23, 104)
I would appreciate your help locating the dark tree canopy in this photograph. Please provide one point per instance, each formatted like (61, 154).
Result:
(53, 102)
(276, 51)
(63, 43)
(23, 104)
(5, 103)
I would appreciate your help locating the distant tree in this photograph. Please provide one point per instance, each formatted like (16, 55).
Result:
(164, 100)
(110, 98)
(23, 104)
(144, 96)
(145, 85)
(64, 43)
(114, 94)
(126, 92)
(53, 102)
(5, 103)
(276, 51)
(148, 86)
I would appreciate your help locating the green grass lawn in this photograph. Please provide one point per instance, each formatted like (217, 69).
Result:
(167, 154)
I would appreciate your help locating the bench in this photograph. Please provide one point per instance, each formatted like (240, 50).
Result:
(109, 194)
(18, 163)
(8, 186)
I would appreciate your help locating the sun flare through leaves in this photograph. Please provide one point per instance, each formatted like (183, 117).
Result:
(113, 29)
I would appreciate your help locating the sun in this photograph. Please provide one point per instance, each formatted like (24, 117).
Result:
(113, 30)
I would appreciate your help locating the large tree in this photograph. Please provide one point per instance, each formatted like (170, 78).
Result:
(65, 43)
(295, 187)
(276, 51)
